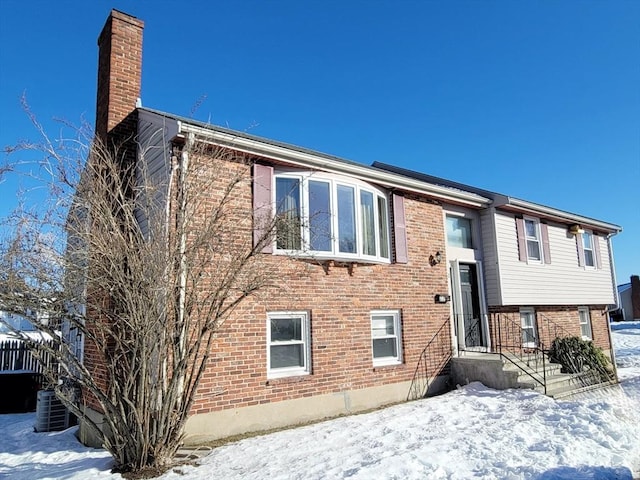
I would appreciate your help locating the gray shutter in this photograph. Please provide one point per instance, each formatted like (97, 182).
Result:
(262, 210)
(580, 249)
(546, 252)
(522, 241)
(596, 251)
(399, 229)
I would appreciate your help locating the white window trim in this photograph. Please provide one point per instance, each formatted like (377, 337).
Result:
(592, 250)
(306, 339)
(586, 311)
(397, 326)
(538, 239)
(532, 311)
(472, 226)
(334, 181)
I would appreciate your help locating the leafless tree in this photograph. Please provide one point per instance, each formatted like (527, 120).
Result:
(140, 269)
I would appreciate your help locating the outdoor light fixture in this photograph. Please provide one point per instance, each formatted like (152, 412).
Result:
(442, 298)
(435, 259)
(575, 229)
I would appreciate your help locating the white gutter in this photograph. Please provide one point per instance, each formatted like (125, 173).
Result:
(523, 205)
(307, 159)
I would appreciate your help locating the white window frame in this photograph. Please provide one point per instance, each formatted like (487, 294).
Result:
(382, 239)
(584, 316)
(529, 311)
(585, 234)
(537, 239)
(459, 216)
(305, 341)
(396, 336)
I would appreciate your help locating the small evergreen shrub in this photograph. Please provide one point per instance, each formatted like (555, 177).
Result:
(577, 355)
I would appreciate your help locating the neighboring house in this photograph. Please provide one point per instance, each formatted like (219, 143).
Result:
(402, 271)
(629, 298)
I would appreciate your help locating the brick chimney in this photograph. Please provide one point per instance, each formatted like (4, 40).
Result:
(119, 78)
(635, 296)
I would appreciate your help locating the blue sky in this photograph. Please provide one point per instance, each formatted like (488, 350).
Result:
(539, 100)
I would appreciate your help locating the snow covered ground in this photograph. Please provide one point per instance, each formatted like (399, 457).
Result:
(473, 432)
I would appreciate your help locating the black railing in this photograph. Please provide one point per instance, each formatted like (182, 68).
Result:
(585, 373)
(519, 347)
(435, 360)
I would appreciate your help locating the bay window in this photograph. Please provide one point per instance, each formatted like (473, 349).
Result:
(330, 216)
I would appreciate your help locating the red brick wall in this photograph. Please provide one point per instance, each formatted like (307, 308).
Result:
(339, 300)
(566, 318)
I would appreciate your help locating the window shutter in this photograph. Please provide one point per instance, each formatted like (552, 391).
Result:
(262, 210)
(580, 250)
(596, 250)
(546, 252)
(399, 229)
(522, 241)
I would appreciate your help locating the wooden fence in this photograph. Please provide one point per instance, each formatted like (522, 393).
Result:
(16, 356)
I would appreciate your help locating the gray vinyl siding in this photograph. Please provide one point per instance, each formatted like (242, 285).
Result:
(153, 171)
(489, 248)
(562, 282)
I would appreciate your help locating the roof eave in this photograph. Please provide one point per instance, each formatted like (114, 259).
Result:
(522, 206)
(308, 159)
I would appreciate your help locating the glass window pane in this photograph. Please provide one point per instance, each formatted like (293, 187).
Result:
(368, 225)
(288, 211)
(459, 232)
(382, 326)
(346, 219)
(319, 216)
(530, 228)
(283, 356)
(588, 258)
(586, 239)
(384, 347)
(533, 248)
(383, 227)
(286, 329)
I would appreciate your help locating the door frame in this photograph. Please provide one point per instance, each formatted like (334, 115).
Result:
(457, 324)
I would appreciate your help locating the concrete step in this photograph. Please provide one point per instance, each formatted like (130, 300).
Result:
(525, 368)
(558, 381)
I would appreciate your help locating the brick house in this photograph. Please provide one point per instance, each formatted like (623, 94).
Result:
(388, 276)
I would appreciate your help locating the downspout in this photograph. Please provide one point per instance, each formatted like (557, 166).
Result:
(182, 273)
(616, 299)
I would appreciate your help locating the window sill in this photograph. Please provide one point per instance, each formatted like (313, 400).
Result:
(294, 378)
(386, 365)
(337, 259)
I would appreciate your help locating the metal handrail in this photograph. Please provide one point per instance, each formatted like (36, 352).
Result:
(512, 343)
(433, 360)
(558, 331)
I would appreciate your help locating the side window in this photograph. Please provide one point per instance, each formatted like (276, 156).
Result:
(288, 344)
(533, 241)
(459, 232)
(587, 248)
(386, 337)
(532, 235)
(585, 323)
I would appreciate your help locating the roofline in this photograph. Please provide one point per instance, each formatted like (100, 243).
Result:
(523, 206)
(505, 202)
(294, 155)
